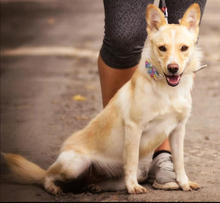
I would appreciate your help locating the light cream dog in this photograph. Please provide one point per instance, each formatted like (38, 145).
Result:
(153, 105)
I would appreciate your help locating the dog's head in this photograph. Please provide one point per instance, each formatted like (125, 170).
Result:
(172, 44)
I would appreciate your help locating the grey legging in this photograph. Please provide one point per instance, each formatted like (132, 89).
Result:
(125, 28)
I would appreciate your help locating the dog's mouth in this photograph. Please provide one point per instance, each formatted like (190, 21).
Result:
(173, 80)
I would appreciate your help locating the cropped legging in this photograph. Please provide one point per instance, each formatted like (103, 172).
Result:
(125, 28)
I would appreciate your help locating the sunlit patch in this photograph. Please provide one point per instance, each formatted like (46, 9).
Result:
(50, 51)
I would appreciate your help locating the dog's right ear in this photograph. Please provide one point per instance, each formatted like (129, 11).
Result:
(155, 18)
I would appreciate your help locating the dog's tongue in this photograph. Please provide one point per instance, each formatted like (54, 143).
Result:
(174, 79)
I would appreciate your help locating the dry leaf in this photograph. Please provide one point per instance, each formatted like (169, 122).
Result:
(79, 98)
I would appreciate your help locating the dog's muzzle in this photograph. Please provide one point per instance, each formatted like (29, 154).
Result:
(173, 78)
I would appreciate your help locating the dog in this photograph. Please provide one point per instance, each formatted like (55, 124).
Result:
(153, 105)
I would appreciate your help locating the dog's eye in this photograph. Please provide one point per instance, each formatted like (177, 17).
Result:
(162, 48)
(184, 48)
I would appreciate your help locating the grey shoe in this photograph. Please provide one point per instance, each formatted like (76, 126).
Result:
(161, 173)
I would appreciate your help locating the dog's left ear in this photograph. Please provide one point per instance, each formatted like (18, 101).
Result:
(191, 19)
(155, 18)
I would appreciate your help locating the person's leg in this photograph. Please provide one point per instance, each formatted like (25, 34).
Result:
(112, 79)
(177, 8)
(164, 146)
(125, 35)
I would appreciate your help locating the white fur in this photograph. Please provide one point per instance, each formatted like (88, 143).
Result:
(172, 58)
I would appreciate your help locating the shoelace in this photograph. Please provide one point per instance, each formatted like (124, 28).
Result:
(166, 163)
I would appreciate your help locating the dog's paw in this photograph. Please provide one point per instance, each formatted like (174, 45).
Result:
(191, 186)
(54, 190)
(194, 185)
(137, 189)
(94, 188)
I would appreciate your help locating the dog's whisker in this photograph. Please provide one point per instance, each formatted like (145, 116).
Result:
(201, 67)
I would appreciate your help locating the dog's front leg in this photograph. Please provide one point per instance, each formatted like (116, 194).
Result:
(131, 157)
(177, 147)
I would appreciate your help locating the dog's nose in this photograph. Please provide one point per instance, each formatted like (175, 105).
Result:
(173, 68)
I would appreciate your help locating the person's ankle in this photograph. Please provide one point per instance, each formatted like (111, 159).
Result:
(160, 152)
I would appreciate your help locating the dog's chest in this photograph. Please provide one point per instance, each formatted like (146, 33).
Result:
(162, 123)
(163, 115)
(160, 118)
(156, 130)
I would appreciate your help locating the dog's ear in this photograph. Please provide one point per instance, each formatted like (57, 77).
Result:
(155, 18)
(191, 19)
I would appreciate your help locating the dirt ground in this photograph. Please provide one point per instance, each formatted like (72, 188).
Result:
(48, 55)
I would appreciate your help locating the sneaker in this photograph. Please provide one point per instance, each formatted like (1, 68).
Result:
(161, 173)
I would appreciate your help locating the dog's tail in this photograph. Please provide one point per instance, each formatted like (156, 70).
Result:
(24, 171)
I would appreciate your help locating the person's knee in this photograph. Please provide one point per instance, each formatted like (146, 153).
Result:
(123, 50)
